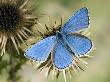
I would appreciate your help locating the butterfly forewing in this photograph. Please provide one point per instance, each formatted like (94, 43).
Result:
(41, 50)
(78, 21)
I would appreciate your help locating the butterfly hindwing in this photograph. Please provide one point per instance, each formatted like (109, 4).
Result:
(62, 57)
(80, 44)
(41, 50)
(78, 21)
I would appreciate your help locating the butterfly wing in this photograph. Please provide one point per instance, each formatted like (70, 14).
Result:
(78, 21)
(41, 50)
(80, 44)
(62, 57)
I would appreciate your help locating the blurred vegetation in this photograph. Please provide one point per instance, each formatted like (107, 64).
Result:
(98, 68)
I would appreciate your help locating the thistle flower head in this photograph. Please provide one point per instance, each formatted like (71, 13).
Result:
(78, 63)
(15, 23)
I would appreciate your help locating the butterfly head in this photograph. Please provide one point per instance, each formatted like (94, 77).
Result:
(58, 34)
(52, 30)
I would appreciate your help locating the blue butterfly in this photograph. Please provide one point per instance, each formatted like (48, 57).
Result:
(66, 44)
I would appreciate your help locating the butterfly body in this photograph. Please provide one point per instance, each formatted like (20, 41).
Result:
(58, 35)
(61, 38)
(65, 44)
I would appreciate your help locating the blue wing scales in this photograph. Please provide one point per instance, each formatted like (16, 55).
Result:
(78, 43)
(62, 57)
(78, 21)
(41, 50)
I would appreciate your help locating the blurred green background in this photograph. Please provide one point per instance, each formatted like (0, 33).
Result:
(99, 66)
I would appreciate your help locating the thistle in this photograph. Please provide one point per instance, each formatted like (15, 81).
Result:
(15, 23)
(78, 62)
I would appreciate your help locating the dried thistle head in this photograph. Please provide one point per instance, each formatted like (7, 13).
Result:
(16, 21)
(78, 63)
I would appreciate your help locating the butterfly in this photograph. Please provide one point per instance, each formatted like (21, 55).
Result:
(65, 44)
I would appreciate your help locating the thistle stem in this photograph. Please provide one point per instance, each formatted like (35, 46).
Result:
(12, 65)
(12, 73)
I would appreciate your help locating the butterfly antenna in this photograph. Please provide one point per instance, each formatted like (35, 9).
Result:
(64, 75)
